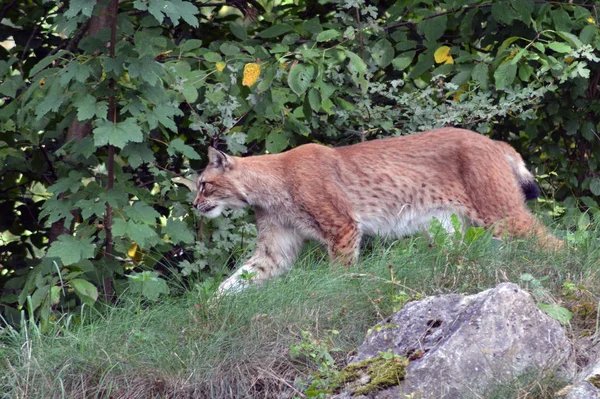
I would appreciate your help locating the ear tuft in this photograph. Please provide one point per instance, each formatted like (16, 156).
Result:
(218, 159)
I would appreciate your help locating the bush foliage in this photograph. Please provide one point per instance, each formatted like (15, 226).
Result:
(107, 109)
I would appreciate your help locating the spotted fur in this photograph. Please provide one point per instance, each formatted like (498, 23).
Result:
(387, 187)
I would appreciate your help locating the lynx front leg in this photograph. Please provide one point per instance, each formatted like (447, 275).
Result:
(276, 251)
(344, 244)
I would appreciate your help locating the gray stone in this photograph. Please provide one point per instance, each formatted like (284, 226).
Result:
(588, 385)
(463, 346)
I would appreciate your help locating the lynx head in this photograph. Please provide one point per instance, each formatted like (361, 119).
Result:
(219, 186)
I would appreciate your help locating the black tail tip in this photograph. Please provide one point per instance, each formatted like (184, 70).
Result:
(531, 190)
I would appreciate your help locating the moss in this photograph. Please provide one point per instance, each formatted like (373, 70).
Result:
(380, 327)
(383, 371)
(594, 380)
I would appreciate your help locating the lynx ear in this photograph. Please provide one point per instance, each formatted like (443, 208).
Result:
(218, 159)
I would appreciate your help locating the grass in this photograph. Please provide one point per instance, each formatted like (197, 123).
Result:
(192, 346)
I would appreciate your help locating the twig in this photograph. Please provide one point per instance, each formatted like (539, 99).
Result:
(71, 44)
(6, 8)
(360, 35)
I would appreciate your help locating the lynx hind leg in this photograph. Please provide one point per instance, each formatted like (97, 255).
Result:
(276, 251)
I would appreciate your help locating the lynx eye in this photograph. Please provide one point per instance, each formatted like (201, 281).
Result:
(202, 186)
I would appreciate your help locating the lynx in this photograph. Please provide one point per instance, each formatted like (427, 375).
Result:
(386, 187)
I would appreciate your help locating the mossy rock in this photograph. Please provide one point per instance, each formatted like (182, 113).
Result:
(382, 371)
(594, 380)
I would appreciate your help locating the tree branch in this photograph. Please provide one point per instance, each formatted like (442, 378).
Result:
(6, 8)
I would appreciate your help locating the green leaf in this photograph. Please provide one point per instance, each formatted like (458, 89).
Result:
(433, 28)
(39, 296)
(165, 114)
(189, 45)
(10, 86)
(275, 30)
(563, 315)
(146, 68)
(56, 210)
(238, 31)
(313, 25)
(140, 233)
(587, 131)
(356, 62)
(64, 184)
(85, 290)
(505, 74)
(46, 62)
(403, 61)
(425, 61)
(277, 141)
(382, 53)
(461, 77)
(502, 12)
(561, 19)
(588, 33)
(138, 154)
(300, 77)
(142, 212)
(178, 231)
(117, 134)
(525, 72)
(75, 70)
(595, 186)
(189, 92)
(87, 108)
(71, 250)
(173, 9)
(524, 8)
(314, 99)
(560, 47)
(85, 7)
(236, 142)
(211, 56)
(148, 284)
(90, 207)
(571, 39)
(178, 146)
(267, 80)
(480, 74)
(55, 295)
(328, 35)
(52, 100)
(229, 49)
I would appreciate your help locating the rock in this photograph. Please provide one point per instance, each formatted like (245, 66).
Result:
(464, 346)
(588, 386)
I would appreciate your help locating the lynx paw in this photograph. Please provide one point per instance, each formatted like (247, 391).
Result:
(239, 281)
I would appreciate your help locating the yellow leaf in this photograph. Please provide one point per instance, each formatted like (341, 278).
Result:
(458, 93)
(442, 54)
(591, 20)
(450, 60)
(569, 60)
(251, 74)
(220, 66)
(125, 78)
(132, 250)
(163, 55)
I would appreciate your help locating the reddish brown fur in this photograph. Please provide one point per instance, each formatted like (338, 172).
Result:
(388, 186)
